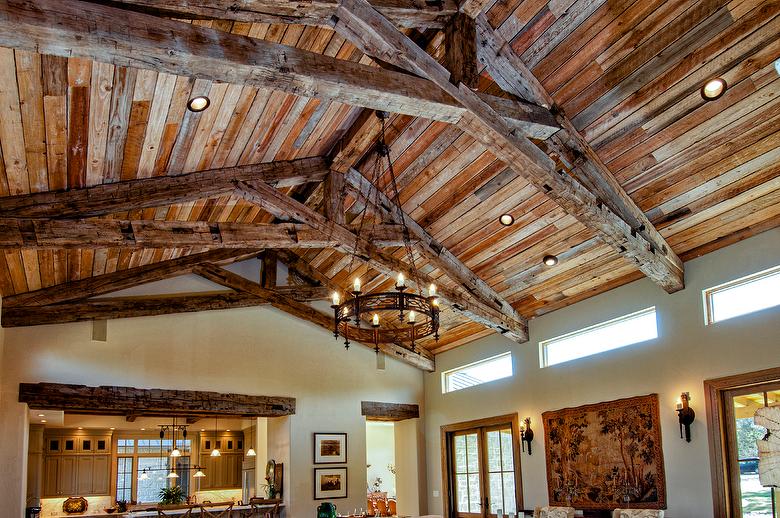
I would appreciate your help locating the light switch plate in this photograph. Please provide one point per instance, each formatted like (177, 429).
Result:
(435, 493)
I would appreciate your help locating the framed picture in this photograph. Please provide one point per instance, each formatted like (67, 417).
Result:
(330, 448)
(330, 483)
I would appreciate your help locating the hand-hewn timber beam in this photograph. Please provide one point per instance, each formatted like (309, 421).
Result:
(114, 308)
(376, 411)
(380, 39)
(511, 74)
(158, 191)
(460, 50)
(122, 279)
(130, 401)
(404, 13)
(276, 202)
(74, 28)
(305, 312)
(132, 307)
(115, 233)
(434, 251)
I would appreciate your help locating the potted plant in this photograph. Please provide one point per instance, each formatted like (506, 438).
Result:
(172, 495)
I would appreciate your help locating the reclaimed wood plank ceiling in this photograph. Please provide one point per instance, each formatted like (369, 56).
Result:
(626, 74)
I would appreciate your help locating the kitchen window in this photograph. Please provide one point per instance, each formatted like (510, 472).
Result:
(143, 464)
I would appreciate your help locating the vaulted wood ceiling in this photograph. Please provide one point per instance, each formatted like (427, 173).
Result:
(625, 75)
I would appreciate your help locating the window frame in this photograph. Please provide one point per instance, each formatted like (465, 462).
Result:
(448, 431)
(543, 355)
(448, 372)
(709, 316)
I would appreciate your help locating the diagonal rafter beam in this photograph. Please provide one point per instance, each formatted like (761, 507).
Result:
(403, 13)
(511, 74)
(276, 202)
(122, 279)
(422, 359)
(374, 35)
(156, 192)
(434, 251)
(73, 28)
(39, 234)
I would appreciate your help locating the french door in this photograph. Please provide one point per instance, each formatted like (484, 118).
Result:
(483, 470)
(748, 498)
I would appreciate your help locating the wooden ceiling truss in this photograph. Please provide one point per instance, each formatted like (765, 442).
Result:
(427, 62)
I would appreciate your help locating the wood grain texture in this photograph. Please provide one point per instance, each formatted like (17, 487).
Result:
(111, 400)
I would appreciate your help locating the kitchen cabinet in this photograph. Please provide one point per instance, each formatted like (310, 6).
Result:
(76, 475)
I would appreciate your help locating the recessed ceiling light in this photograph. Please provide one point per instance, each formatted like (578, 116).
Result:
(41, 415)
(550, 260)
(202, 429)
(43, 420)
(198, 104)
(506, 219)
(81, 428)
(143, 429)
(112, 428)
(713, 89)
(227, 430)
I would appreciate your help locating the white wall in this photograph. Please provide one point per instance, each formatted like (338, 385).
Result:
(686, 353)
(380, 452)
(251, 351)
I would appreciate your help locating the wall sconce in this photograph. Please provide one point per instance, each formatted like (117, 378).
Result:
(685, 414)
(526, 434)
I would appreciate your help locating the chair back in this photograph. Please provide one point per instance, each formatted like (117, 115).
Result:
(554, 512)
(273, 512)
(175, 510)
(216, 513)
(637, 513)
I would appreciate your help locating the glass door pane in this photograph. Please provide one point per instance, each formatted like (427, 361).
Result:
(755, 501)
(501, 471)
(465, 448)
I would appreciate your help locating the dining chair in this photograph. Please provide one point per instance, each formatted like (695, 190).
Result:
(175, 510)
(554, 512)
(223, 513)
(637, 513)
(273, 512)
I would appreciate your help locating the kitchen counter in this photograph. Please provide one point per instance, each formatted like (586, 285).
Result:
(145, 514)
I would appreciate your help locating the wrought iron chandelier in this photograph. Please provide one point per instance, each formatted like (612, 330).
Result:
(417, 314)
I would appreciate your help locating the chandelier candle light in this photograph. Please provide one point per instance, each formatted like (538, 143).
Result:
(361, 317)
(419, 313)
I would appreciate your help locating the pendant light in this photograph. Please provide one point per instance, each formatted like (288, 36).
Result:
(215, 452)
(199, 473)
(175, 452)
(251, 451)
(172, 474)
(143, 475)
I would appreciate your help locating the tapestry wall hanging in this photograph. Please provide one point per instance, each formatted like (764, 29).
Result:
(607, 455)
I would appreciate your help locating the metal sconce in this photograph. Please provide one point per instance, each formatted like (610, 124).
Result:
(526, 434)
(685, 414)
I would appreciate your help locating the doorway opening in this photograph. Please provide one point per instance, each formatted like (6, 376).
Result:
(382, 496)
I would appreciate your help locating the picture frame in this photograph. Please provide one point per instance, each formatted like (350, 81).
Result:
(330, 483)
(330, 448)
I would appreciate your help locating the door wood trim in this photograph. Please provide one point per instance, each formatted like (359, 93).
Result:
(714, 390)
(446, 462)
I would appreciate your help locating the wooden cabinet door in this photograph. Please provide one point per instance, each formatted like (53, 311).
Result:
(84, 467)
(101, 473)
(66, 476)
(50, 468)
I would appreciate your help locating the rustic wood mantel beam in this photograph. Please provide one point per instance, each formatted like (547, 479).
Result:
(511, 74)
(377, 411)
(134, 234)
(74, 28)
(276, 202)
(130, 401)
(377, 37)
(159, 191)
(420, 359)
(122, 279)
(404, 13)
